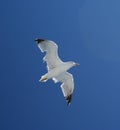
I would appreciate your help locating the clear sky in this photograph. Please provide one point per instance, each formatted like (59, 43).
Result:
(86, 31)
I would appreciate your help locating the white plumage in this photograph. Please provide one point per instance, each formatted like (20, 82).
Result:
(57, 69)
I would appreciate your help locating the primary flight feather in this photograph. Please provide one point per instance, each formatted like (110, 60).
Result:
(57, 69)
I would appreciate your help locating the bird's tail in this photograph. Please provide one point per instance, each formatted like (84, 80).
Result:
(43, 78)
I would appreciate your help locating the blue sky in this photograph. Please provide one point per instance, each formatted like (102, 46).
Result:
(86, 32)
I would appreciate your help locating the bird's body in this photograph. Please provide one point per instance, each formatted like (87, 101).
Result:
(57, 69)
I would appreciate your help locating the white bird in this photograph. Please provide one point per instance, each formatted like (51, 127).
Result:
(57, 69)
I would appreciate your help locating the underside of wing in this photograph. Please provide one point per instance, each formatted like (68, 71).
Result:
(51, 56)
(67, 85)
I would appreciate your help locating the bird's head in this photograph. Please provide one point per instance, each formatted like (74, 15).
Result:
(76, 64)
(73, 63)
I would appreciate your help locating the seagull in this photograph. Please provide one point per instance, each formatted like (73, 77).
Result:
(57, 69)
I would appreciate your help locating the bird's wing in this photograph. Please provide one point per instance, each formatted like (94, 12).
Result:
(67, 85)
(51, 56)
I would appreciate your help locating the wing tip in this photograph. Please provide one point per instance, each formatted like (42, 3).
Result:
(38, 40)
(69, 99)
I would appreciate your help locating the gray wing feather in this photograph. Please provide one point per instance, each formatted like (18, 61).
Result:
(67, 85)
(51, 56)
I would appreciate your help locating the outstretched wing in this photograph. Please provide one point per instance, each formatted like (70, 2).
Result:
(51, 50)
(67, 85)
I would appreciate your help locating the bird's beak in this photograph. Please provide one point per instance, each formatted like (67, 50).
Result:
(76, 64)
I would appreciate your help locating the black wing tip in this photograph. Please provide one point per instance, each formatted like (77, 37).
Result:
(38, 40)
(68, 99)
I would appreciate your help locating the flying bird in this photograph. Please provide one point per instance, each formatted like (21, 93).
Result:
(57, 69)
